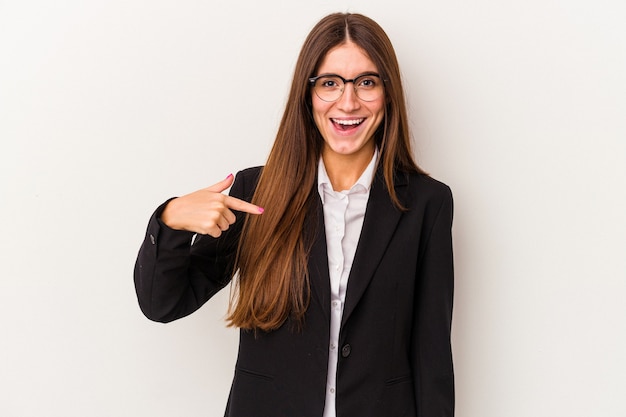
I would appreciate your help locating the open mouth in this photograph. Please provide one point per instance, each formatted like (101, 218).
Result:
(347, 124)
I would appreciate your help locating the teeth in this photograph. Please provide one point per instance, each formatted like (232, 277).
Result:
(348, 122)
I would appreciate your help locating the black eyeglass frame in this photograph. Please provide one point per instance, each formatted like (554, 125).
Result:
(313, 80)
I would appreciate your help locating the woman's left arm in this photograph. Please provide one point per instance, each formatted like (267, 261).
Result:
(433, 369)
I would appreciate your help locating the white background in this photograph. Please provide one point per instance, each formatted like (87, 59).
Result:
(107, 108)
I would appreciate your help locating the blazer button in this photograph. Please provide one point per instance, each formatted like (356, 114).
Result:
(345, 350)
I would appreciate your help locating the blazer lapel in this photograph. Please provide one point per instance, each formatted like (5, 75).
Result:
(379, 225)
(318, 260)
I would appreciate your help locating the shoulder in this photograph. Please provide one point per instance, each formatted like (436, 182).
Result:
(250, 173)
(428, 197)
(428, 187)
(245, 183)
(429, 200)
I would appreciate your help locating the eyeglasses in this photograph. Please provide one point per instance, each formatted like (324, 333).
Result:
(329, 87)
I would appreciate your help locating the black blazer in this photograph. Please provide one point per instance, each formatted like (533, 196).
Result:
(395, 357)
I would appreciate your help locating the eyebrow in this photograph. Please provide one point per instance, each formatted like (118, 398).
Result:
(332, 74)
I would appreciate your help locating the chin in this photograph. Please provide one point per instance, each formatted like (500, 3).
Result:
(347, 149)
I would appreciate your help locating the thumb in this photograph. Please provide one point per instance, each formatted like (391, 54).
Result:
(222, 185)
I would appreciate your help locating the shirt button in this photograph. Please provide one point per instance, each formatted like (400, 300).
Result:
(345, 350)
(332, 390)
(332, 346)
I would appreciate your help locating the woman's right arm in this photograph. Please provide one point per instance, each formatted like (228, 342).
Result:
(173, 278)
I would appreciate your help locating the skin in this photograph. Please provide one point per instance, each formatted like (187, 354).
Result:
(206, 211)
(346, 154)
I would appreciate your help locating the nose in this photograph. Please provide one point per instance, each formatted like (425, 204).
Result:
(348, 101)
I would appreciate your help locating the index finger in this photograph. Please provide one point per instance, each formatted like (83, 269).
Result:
(240, 205)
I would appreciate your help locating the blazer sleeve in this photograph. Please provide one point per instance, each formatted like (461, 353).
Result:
(433, 369)
(173, 277)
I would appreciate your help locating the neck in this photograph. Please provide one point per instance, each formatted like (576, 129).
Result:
(344, 170)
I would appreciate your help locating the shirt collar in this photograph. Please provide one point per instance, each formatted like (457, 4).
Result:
(363, 184)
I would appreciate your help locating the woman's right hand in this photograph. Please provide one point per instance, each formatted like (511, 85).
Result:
(206, 211)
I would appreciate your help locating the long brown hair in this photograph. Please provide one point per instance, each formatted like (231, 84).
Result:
(273, 283)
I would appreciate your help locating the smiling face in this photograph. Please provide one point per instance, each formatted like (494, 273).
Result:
(348, 124)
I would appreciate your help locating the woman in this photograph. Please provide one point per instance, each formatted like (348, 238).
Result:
(341, 244)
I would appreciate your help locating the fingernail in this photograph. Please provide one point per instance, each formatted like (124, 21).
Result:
(261, 209)
(229, 176)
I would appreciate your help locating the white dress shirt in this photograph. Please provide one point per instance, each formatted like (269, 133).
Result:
(343, 220)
